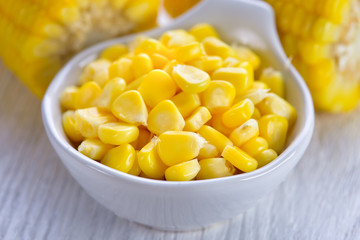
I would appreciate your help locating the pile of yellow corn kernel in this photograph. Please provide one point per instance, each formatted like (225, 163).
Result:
(179, 108)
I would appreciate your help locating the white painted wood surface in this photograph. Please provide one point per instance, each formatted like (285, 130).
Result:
(320, 199)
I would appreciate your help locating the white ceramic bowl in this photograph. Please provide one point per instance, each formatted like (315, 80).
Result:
(188, 205)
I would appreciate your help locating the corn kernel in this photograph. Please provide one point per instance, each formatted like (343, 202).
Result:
(244, 54)
(190, 79)
(169, 67)
(114, 52)
(207, 63)
(266, 157)
(122, 68)
(112, 89)
(135, 169)
(68, 96)
(97, 71)
(238, 114)
(130, 107)
(239, 77)
(70, 127)
(256, 115)
(188, 52)
(142, 64)
(214, 137)
(198, 118)
(274, 80)
(255, 95)
(150, 46)
(312, 52)
(218, 96)
(254, 146)
(273, 104)
(184, 171)
(117, 133)
(150, 162)
(87, 95)
(121, 158)
(231, 62)
(245, 132)
(274, 129)
(159, 61)
(186, 102)
(217, 123)
(240, 159)
(203, 30)
(214, 168)
(88, 120)
(178, 146)
(134, 85)
(94, 148)
(208, 151)
(259, 85)
(143, 138)
(165, 117)
(156, 86)
(215, 47)
(176, 38)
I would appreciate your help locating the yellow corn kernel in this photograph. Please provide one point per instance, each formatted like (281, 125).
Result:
(142, 65)
(143, 138)
(255, 95)
(265, 157)
(156, 86)
(130, 107)
(240, 159)
(135, 169)
(238, 114)
(198, 118)
(244, 54)
(88, 120)
(122, 68)
(321, 74)
(184, 171)
(117, 133)
(68, 96)
(134, 85)
(214, 168)
(175, 147)
(215, 47)
(239, 77)
(245, 132)
(176, 8)
(87, 95)
(114, 52)
(207, 63)
(203, 30)
(176, 38)
(208, 151)
(186, 102)
(97, 71)
(121, 158)
(285, 16)
(169, 67)
(94, 148)
(150, 46)
(150, 162)
(259, 85)
(165, 117)
(70, 127)
(214, 137)
(325, 31)
(256, 115)
(273, 104)
(218, 96)
(112, 89)
(159, 61)
(312, 52)
(254, 146)
(231, 62)
(188, 52)
(190, 79)
(217, 123)
(274, 129)
(142, 12)
(274, 80)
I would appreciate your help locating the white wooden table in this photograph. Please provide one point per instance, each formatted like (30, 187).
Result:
(320, 199)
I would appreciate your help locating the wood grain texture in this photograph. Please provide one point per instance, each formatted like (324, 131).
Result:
(320, 199)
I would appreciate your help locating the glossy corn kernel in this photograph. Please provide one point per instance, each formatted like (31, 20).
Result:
(259, 85)
(97, 71)
(114, 52)
(122, 68)
(88, 120)
(176, 38)
(184, 171)
(87, 95)
(215, 168)
(156, 86)
(142, 64)
(188, 52)
(190, 79)
(274, 80)
(134, 85)
(70, 127)
(238, 114)
(218, 96)
(208, 151)
(215, 47)
(186, 102)
(240, 159)
(207, 63)
(254, 146)
(150, 46)
(254, 95)
(143, 138)
(203, 30)
(274, 129)
(68, 96)
(165, 117)
(312, 52)
(245, 132)
(245, 54)
(273, 104)
(265, 157)
(256, 115)
(175, 147)
(130, 107)
(198, 118)
(135, 169)
(112, 89)
(117, 133)
(169, 67)
(214, 137)
(159, 61)
(239, 77)
(121, 158)
(94, 148)
(231, 62)
(217, 123)
(150, 162)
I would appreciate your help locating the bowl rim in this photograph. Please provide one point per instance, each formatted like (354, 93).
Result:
(282, 159)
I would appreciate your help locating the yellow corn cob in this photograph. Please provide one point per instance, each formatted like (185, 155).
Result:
(42, 35)
(323, 39)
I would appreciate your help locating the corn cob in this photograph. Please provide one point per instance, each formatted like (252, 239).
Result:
(38, 36)
(323, 40)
